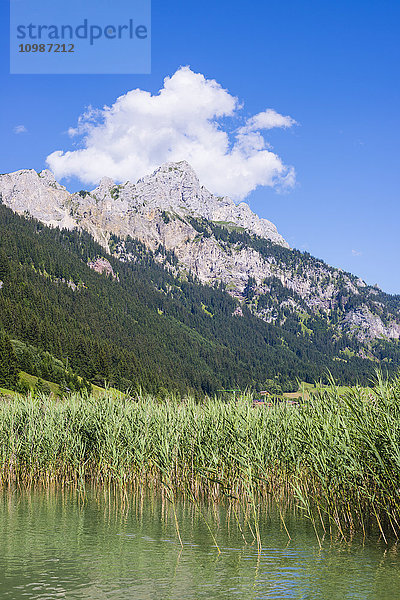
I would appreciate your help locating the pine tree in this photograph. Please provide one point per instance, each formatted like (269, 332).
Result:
(8, 363)
(4, 266)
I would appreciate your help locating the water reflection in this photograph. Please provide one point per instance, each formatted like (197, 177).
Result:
(62, 544)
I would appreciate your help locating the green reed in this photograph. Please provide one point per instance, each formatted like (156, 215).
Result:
(337, 454)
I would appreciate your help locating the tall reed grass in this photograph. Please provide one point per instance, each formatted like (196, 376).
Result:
(337, 454)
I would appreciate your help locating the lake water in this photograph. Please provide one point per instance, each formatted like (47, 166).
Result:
(99, 546)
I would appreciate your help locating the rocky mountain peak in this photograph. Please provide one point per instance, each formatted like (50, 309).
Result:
(103, 190)
(173, 186)
(48, 178)
(180, 169)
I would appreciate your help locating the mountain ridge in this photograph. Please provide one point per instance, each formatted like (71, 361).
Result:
(216, 240)
(172, 186)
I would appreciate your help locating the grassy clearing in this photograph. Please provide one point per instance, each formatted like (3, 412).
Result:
(6, 392)
(32, 380)
(338, 454)
(307, 390)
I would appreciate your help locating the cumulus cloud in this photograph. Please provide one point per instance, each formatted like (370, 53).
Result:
(191, 118)
(20, 129)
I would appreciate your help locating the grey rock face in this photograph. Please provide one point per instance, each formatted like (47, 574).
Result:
(37, 194)
(175, 187)
(102, 265)
(136, 209)
(367, 325)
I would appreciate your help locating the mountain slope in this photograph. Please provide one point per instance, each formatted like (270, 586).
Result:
(137, 324)
(187, 232)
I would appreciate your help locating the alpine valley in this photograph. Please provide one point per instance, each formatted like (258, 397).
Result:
(161, 285)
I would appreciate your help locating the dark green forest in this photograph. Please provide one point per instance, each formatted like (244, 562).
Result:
(146, 329)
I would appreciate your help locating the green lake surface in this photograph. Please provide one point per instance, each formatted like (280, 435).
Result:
(101, 545)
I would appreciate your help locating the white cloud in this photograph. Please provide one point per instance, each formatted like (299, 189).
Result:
(187, 120)
(20, 129)
(356, 253)
(268, 120)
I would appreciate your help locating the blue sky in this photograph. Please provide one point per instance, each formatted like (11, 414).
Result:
(331, 66)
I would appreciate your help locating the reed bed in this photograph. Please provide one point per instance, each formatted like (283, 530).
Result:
(337, 454)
